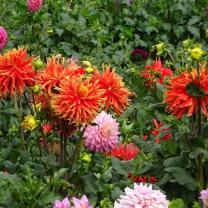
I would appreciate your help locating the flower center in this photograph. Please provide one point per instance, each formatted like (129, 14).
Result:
(83, 90)
(106, 130)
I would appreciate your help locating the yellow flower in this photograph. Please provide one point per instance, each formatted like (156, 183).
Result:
(86, 158)
(160, 48)
(196, 53)
(90, 70)
(29, 123)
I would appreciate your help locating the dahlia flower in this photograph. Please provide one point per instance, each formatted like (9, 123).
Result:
(142, 179)
(78, 101)
(184, 92)
(51, 76)
(103, 135)
(62, 204)
(34, 5)
(159, 129)
(29, 122)
(3, 38)
(139, 54)
(125, 151)
(204, 197)
(155, 73)
(116, 94)
(16, 72)
(83, 202)
(142, 196)
(55, 72)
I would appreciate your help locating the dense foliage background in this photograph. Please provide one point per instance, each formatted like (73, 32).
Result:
(104, 32)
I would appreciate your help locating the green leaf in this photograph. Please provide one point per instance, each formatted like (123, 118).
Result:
(117, 166)
(183, 177)
(194, 20)
(177, 203)
(89, 183)
(173, 162)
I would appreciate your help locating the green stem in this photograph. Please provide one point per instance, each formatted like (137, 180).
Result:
(199, 158)
(19, 116)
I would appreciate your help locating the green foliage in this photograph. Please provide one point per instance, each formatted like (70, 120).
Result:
(177, 203)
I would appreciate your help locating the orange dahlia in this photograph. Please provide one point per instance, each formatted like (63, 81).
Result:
(186, 92)
(78, 101)
(115, 93)
(16, 72)
(54, 72)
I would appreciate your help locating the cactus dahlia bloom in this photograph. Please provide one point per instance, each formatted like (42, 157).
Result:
(103, 135)
(204, 197)
(142, 196)
(34, 5)
(3, 38)
(62, 204)
(186, 92)
(77, 101)
(155, 73)
(81, 203)
(16, 72)
(116, 94)
(54, 72)
(125, 151)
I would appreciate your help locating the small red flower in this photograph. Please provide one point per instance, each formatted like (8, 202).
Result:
(153, 179)
(125, 151)
(155, 73)
(47, 128)
(139, 54)
(159, 128)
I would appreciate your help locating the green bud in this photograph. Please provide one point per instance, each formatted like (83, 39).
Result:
(38, 64)
(86, 158)
(36, 89)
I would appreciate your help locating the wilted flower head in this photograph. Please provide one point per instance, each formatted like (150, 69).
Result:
(115, 93)
(125, 151)
(184, 91)
(34, 5)
(3, 38)
(81, 203)
(16, 72)
(103, 134)
(29, 123)
(62, 204)
(142, 196)
(204, 197)
(155, 73)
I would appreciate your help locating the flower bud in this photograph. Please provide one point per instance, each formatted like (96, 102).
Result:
(160, 48)
(90, 70)
(29, 123)
(87, 63)
(47, 128)
(36, 89)
(86, 158)
(196, 53)
(38, 64)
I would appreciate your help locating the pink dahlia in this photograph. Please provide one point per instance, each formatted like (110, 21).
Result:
(142, 196)
(34, 5)
(83, 202)
(103, 135)
(204, 197)
(3, 38)
(62, 204)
